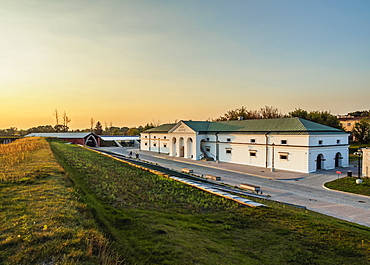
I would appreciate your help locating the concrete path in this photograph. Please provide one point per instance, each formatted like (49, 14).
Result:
(290, 187)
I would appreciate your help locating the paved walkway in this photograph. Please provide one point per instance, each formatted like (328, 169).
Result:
(290, 187)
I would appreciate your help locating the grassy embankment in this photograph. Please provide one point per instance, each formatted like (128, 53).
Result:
(41, 219)
(156, 220)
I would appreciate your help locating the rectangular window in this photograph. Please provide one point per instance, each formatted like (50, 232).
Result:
(320, 142)
(208, 148)
(146, 143)
(154, 144)
(253, 140)
(155, 137)
(228, 150)
(164, 137)
(165, 145)
(284, 141)
(284, 156)
(228, 139)
(253, 153)
(207, 139)
(146, 136)
(338, 141)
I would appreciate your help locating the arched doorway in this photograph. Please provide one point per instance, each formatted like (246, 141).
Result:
(338, 160)
(174, 147)
(320, 162)
(182, 147)
(189, 148)
(91, 141)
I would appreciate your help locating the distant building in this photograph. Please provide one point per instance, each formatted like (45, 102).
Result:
(291, 144)
(348, 122)
(84, 138)
(8, 139)
(121, 140)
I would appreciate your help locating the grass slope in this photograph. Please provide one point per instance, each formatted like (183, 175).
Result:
(156, 220)
(41, 219)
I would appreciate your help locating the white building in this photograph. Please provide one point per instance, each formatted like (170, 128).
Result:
(122, 140)
(366, 162)
(292, 144)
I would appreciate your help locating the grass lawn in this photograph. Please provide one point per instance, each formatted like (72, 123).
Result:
(155, 220)
(41, 219)
(348, 184)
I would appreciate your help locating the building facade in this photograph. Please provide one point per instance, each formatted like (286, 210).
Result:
(120, 140)
(366, 162)
(292, 144)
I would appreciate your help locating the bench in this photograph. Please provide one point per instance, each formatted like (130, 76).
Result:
(187, 170)
(213, 177)
(250, 187)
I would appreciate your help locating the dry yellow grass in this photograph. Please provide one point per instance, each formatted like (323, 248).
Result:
(41, 219)
(25, 157)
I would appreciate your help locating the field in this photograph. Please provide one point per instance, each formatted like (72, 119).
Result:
(41, 219)
(348, 184)
(155, 220)
(96, 210)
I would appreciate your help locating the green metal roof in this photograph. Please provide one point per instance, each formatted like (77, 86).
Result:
(162, 128)
(282, 125)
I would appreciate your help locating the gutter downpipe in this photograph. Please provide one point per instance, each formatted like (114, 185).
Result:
(217, 147)
(149, 141)
(267, 148)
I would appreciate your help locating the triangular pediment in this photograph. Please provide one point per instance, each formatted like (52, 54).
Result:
(181, 127)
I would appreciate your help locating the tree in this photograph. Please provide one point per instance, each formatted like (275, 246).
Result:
(116, 132)
(270, 113)
(11, 130)
(322, 117)
(300, 113)
(56, 115)
(361, 131)
(360, 113)
(66, 120)
(242, 113)
(98, 128)
(42, 129)
(148, 126)
(92, 122)
(59, 128)
(133, 131)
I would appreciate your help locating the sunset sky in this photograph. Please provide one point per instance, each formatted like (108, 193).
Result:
(139, 61)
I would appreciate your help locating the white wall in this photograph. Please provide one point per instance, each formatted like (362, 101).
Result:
(329, 154)
(155, 142)
(366, 162)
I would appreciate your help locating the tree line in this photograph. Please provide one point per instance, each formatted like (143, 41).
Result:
(61, 125)
(268, 112)
(361, 129)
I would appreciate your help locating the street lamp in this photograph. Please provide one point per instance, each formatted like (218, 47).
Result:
(359, 154)
(273, 158)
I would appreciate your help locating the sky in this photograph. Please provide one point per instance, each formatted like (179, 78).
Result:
(128, 63)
